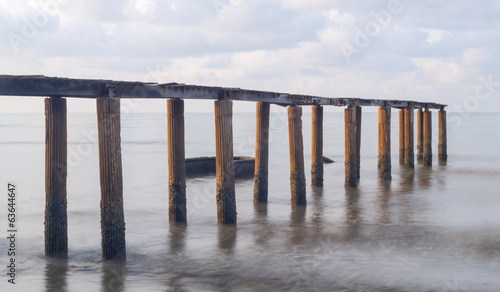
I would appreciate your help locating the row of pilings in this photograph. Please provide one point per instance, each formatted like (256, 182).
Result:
(110, 161)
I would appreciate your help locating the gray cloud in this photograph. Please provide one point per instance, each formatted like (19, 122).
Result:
(428, 50)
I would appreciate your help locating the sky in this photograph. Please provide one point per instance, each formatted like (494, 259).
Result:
(439, 51)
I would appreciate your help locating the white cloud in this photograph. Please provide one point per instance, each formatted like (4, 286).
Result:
(338, 30)
(16, 8)
(428, 51)
(434, 35)
(139, 7)
(475, 57)
(440, 71)
(311, 4)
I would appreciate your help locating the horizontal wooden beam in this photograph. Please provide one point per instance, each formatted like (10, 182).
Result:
(36, 85)
(50, 86)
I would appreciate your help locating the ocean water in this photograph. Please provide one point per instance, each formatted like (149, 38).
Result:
(431, 229)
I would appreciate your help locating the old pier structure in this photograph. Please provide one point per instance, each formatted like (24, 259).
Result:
(108, 94)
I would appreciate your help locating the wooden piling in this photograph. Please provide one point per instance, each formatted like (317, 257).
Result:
(420, 134)
(351, 161)
(297, 176)
(409, 136)
(317, 146)
(226, 199)
(56, 219)
(442, 140)
(177, 211)
(358, 140)
(384, 142)
(261, 153)
(402, 137)
(110, 164)
(427, 138)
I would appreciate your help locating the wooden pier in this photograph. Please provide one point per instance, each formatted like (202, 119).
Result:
(108, 94)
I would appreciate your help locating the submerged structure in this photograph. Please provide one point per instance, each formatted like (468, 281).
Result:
(244, 166)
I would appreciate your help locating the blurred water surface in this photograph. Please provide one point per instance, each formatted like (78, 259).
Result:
(431, 229)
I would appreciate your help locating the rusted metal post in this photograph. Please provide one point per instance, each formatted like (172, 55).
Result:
(420, 134)
(261, 153)
(358, 140)
(427, 133)
(226, 198)
(110, 166)
(177, 212)
(297, 176)
(442, 142)
(351, 160)
(56, 219)
(384, 142)
(317, 146)
(409, 136)
(402, 137)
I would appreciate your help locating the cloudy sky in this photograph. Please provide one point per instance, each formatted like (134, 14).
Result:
(443, 51)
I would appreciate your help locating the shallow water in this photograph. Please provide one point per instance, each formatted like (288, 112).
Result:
(431, 229)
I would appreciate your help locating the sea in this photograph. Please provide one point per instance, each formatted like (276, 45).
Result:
(429, 229)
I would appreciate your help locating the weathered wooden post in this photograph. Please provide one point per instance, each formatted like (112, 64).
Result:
(226, 198)
(442, 142)
(409, 136)
(56, 219)
(420, 134)
(177, 212)
(427, 127)
(384, 142)
(358, 140)
(261, 153)
(317, 146)
(402, 137)
(110, 166)
(297, 175)
(351, 160)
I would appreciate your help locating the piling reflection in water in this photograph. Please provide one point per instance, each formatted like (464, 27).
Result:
(440, 176)
(260, 213)
(263, 231)
(297, 224)
(353, 211)
(406, 201)
(177, 238)
(384, 200)
(227, 238)
(406, 184)
(317, 209)
(113, 276)
(55, 275)
(424, 176)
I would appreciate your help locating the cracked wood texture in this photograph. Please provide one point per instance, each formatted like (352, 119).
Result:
(402, 137)
(442, 142)
(420, 135)
(427, 138)
(177, 211)
(384, 142)
(261, 153)
(351, 146)
(56, 222)
(317, 146)
(226, 198)
(297, 175)
(110, 168)
(358, 140)
(409, 136)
